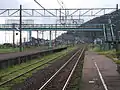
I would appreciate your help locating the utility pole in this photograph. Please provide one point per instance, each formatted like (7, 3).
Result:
(43, 37)
(116, 32)
(20, 28)
(13, 35)
(13, 38)
(55, 35)
(37, 34)
(50, 41)
(38, 37)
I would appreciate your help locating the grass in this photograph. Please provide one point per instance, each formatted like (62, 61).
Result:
(11, 49)
(22, 78)
(16, 67)
(117, 61)
(8, 50)
(76, 80)
(95, 48)
(109, 53)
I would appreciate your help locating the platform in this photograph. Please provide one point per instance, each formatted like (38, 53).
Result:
(10, 59)
(91, 79)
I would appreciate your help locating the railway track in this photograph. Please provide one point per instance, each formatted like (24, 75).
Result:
(10, 76)
(61, 78)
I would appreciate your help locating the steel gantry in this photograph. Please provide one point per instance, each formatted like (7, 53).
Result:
(61, 15)
(82, 12)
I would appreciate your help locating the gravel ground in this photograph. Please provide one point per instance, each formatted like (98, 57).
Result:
(58, 82)
(37, 79)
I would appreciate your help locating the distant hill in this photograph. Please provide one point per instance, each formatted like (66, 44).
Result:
(86, 36)
(114, 16)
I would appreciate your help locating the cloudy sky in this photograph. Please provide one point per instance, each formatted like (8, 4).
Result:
(52, 4)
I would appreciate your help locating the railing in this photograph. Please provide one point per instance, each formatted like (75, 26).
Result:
(87, 26)
(108, 32)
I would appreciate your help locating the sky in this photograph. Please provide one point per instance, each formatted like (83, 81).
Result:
(5, 4)
(54, 3)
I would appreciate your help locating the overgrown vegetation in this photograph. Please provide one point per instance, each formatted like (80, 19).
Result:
(112, 54)
(95, 48)
(117, 61)
(16, 49)
(17, 67)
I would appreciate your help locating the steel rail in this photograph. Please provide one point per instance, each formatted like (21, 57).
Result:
(58, 70)
(67, 82)
(9, 80)
(27, 66)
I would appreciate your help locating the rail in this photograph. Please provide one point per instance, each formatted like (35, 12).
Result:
(62, 67)
(28, 66)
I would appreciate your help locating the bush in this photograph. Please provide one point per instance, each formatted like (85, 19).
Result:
(1, 46)
(7, 45)
(117, 61)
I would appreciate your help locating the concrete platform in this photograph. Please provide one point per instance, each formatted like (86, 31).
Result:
(10, 59)
(91, 79)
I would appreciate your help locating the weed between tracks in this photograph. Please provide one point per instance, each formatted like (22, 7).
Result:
(22, 78)
(75, 82)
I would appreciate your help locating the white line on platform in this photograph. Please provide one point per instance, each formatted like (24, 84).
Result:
(101, 77)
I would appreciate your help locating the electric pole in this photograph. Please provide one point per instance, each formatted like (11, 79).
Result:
(20, 28)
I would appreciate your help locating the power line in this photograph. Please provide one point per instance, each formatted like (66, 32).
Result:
(44, 8)
(61, 3)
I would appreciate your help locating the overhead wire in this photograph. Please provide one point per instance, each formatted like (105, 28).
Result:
(44, 8)
(61, 3)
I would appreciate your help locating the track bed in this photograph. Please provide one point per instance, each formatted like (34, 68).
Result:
(39, 78)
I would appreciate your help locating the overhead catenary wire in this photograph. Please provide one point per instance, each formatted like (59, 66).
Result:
(44, 8)
(61, 4)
